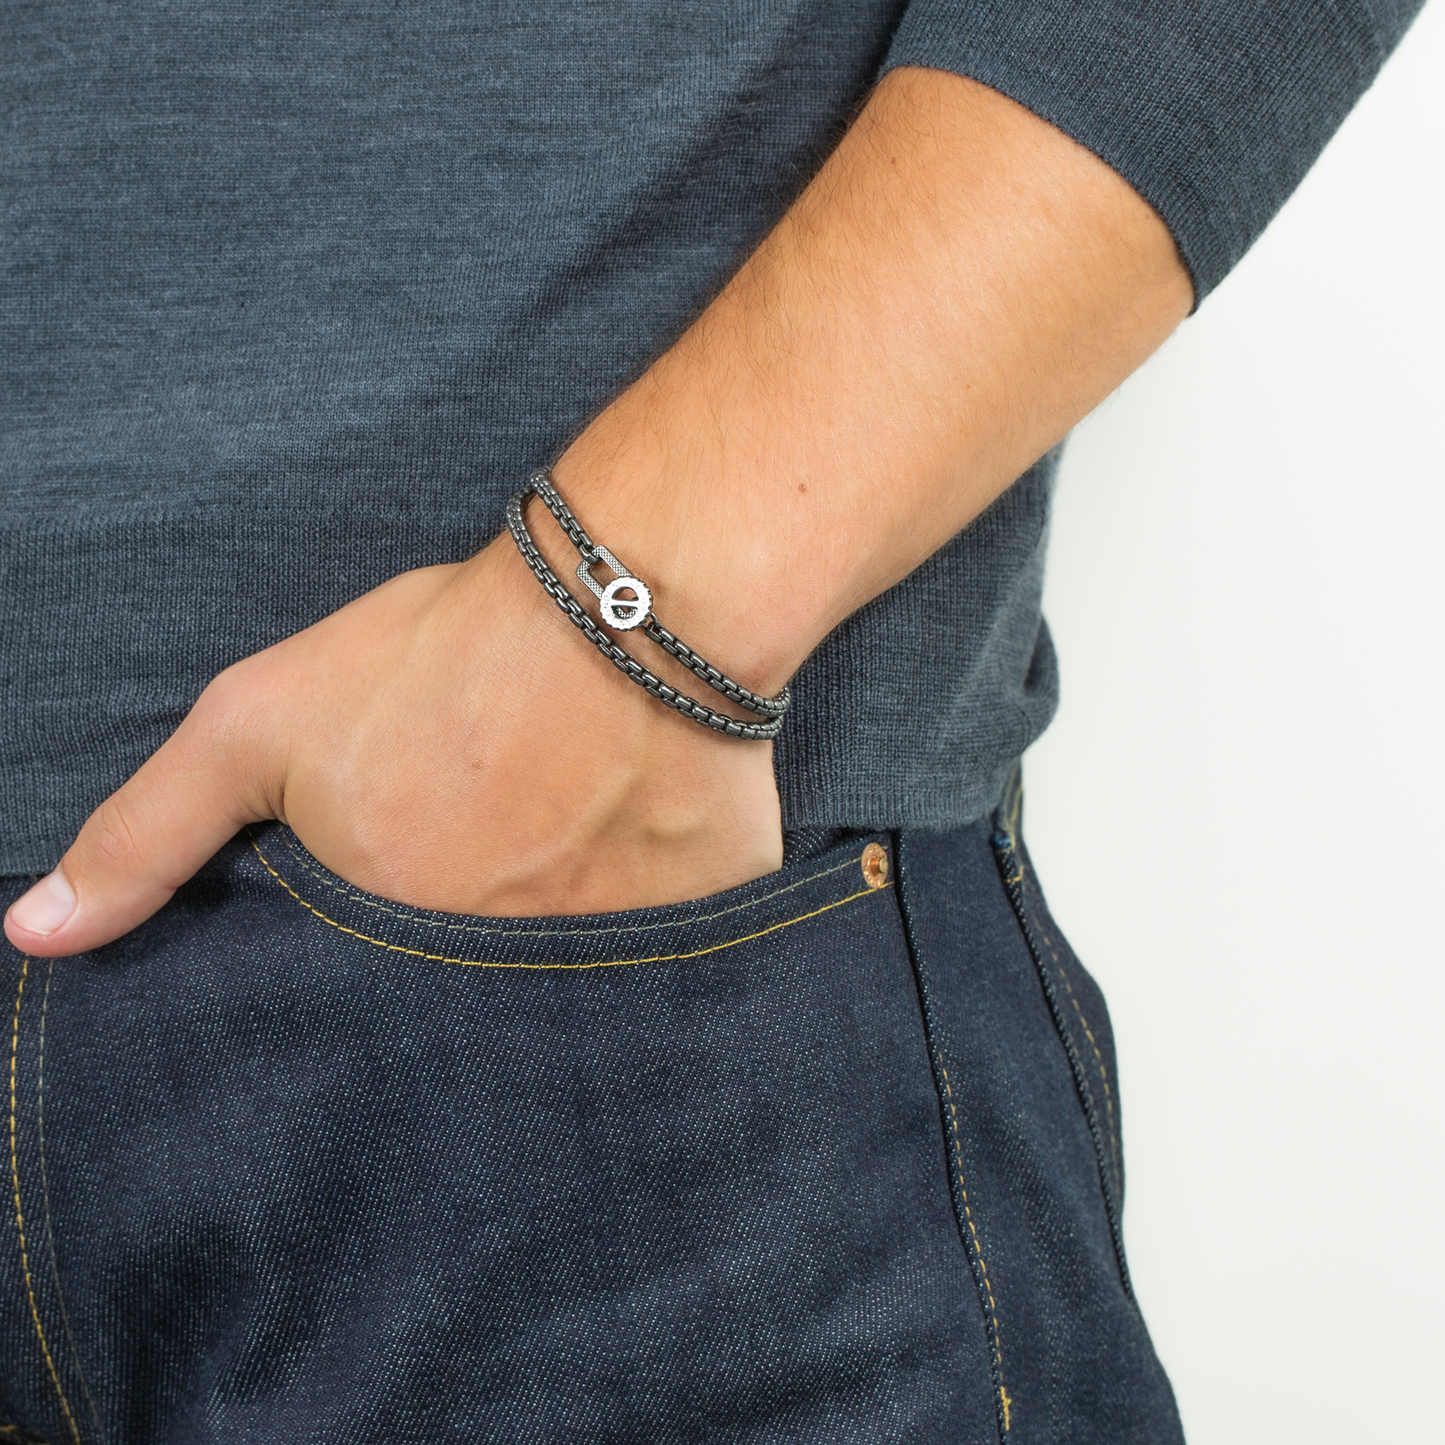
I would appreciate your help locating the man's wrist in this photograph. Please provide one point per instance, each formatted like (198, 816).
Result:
(625, 605)
(719, 574)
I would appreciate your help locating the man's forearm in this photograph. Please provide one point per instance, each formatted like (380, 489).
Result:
(959, 285)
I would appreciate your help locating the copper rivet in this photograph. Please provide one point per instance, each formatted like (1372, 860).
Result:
(875, 865)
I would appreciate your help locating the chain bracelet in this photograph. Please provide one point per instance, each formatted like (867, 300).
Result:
(635, 612)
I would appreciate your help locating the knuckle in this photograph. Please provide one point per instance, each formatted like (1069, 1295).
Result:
(112, 837)
(232, 734)
(226, 713)
(225, 695)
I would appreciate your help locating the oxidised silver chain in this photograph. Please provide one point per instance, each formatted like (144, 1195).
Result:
(626, 613)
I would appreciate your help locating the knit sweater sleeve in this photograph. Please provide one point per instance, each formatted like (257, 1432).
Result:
(1211, 109)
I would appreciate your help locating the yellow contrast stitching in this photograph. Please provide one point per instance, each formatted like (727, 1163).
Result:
(1017, 877)
(340, 885)
(20, 1215)
(1005, 1403)
(571, 967)
(45, 1193)
(1093, 1044)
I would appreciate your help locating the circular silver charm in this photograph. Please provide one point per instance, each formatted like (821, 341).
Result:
(625, 613)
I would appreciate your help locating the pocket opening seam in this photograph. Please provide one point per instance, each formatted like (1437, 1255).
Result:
(567, 967)
(405, 915)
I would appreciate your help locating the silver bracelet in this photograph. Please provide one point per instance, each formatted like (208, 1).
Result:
(628, 612)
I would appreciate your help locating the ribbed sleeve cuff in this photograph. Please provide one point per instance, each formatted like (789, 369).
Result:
(1211, 111)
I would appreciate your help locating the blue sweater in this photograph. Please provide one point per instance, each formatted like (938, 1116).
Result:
(295, 295)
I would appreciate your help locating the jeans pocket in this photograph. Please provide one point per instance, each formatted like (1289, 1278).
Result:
(672, 933)
(330, 1168)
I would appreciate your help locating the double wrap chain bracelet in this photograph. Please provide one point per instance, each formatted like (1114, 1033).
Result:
(626, 613)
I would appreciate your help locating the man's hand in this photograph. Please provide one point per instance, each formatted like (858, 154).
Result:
(957, 287)
(448, 740)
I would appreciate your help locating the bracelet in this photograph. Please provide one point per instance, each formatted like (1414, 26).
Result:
(625, 613)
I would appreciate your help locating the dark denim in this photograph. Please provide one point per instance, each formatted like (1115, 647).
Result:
(808, 1161)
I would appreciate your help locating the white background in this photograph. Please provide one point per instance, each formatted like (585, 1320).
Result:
(1238, 813)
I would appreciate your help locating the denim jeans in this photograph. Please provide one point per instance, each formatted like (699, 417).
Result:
(828, 1158)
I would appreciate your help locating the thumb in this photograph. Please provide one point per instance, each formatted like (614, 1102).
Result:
(189, 798)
